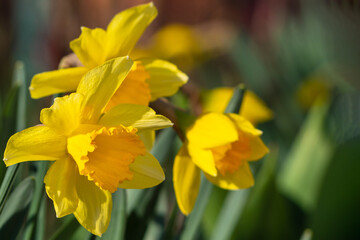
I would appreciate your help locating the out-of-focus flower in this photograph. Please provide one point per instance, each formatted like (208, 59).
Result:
(252, 108)
(314, 90)
(148, 80)
(186, 45)
(94, 152)
(220, 145)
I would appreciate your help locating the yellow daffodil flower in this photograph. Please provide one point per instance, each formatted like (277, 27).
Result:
(94, 152)
(252, 108)
(220, 145)
(314, 90)
(148, 80)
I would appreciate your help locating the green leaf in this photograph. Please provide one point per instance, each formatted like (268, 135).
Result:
(7, 183)
(268, 214)
(14, 214)
(230, 213)
(303, 171)
(19, 78)
(71, 230)
(336, 215)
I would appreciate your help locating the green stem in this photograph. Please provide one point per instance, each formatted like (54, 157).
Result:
(35, 204)
(236, 100)
(194, 220)
(7, 184)
(170, 226)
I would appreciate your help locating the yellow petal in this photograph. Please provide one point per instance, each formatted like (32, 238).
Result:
(240, 179)
(133, 90)
(34, 144)
(90, 46)
(216, 100)
(254, 109)
(104, 155)
(100, 84)
(60, 182)
(138, 116)
(64, 115)
(94, 207)
(243, 124)
(186, 178)
(258, 149)
(148, 138)
(165, 78)
(179, 42)
(147, 173)
(212, 130)
(125, 29)
(58, 81)
(203, 158)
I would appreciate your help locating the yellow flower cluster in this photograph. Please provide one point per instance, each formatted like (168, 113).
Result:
(99, 136)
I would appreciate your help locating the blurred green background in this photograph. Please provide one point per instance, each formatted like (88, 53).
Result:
(302, 58)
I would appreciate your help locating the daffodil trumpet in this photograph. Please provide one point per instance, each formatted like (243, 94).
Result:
(95, 152)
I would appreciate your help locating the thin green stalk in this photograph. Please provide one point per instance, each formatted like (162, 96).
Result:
(41, 220)
(69, 226)
(120, 233)
(230, 214)
(236, 100)
(193, 222)
(170, 226)
(35, 204)
(7, 184)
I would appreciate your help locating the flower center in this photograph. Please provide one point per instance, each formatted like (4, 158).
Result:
(133, 90)
(104, 155)
(228, 158)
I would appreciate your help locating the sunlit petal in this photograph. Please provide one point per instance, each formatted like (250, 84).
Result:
(100, 84)
(90, 46)
(240, 179)
(138, 116)
(64, 115)
(165, 78)
(244, 125)
(58, 81)
(126, 27)
(147, 173)
(134, 89)
(186, 178)
(254, 109)
(203, 158)
(94, 207)
(258, 149)
(60, 185)
(148, 138)
(212, 130)
(34, 144)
